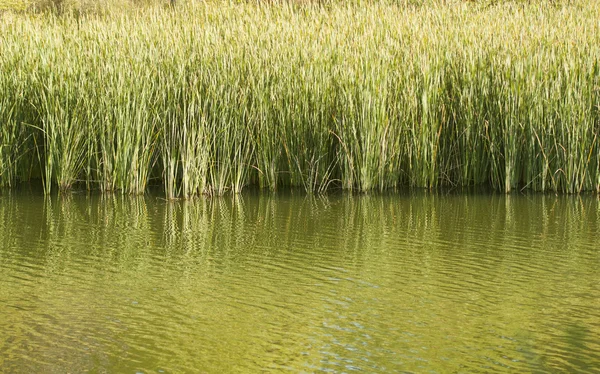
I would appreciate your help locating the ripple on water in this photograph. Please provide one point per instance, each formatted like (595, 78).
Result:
(427, 282)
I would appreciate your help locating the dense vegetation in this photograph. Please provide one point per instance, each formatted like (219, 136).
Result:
(211, 97)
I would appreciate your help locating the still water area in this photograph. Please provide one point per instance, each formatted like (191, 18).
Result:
(414, 282)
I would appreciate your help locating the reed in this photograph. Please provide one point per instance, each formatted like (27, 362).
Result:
(207, 98)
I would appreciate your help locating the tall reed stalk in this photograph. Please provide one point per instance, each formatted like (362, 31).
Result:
(209, 98)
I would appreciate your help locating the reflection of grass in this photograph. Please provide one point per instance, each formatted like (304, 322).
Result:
(210, 98)
(261, 277)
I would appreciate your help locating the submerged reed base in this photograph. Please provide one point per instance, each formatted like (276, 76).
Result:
(211, 97)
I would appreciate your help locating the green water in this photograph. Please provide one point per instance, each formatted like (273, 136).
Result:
(412, 282)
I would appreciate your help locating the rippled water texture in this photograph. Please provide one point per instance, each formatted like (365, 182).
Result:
(404, 283)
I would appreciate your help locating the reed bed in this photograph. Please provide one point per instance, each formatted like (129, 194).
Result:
(206, 98)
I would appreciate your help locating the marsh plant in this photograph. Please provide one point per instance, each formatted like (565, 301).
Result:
(210, 97)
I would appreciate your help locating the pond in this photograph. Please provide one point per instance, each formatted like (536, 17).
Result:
(404, 282)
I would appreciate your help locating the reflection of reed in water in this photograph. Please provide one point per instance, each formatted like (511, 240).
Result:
(108, 228)
(238, 222)
(363, 223)
(260, 278)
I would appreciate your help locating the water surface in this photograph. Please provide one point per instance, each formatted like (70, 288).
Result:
(412, 282)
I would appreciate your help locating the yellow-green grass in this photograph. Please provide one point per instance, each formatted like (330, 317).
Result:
(210, 97)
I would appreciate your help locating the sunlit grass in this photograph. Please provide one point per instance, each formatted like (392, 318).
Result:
(207, 98)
